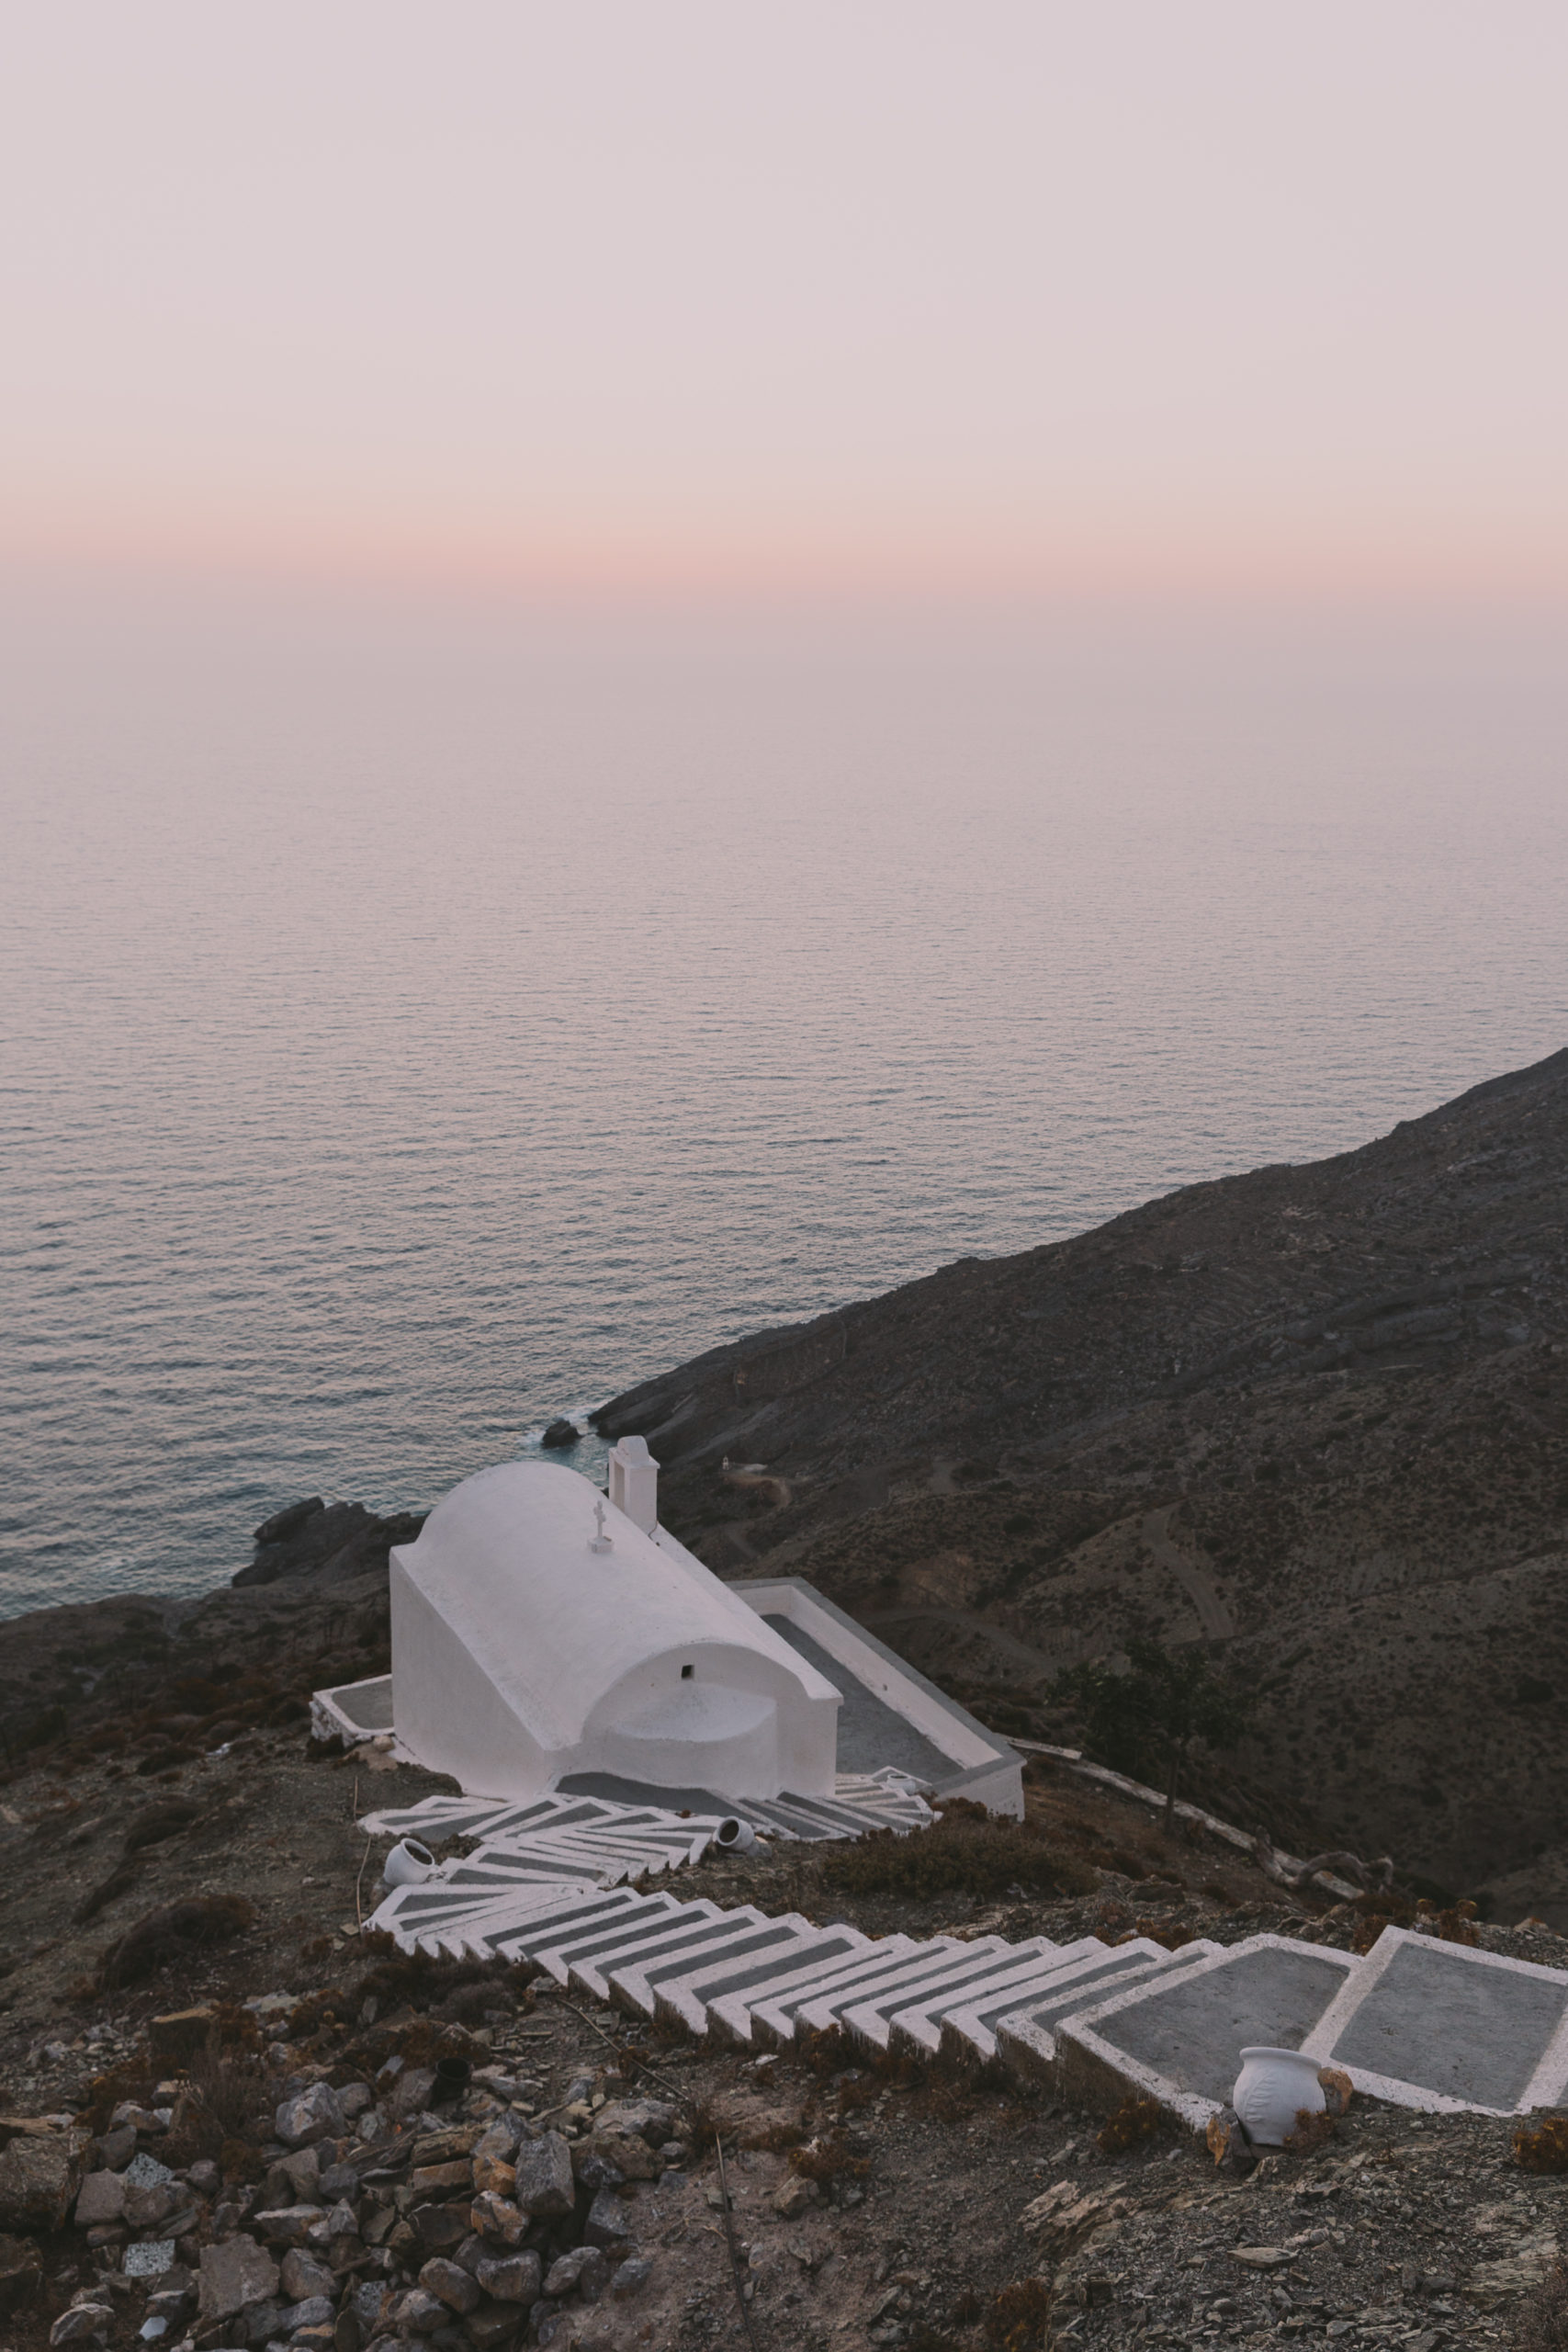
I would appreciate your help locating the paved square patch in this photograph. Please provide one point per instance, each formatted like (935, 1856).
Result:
(1179, 2035)
(1430, 2024)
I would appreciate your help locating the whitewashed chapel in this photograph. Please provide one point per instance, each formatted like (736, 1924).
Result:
(545, 1636)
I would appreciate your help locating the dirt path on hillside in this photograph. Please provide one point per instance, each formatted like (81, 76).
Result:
(1035, 1664)
(1196, 1583)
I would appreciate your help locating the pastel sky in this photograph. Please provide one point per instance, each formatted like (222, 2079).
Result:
(1119, 290)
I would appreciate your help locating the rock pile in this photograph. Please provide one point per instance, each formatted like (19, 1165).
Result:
(379, 2216)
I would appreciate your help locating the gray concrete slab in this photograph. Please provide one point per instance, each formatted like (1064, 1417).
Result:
(593, 1966)
(637, 1983)
(871, 1733)
(1178, 2036)
(771, 2019)
(1433, 2024)
(1023, 2036)
(366, 1705)
(686, 1998)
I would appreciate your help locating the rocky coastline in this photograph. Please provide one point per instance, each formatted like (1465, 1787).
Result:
(1315, 1418)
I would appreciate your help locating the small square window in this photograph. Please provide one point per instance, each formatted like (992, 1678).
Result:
(686, 1673)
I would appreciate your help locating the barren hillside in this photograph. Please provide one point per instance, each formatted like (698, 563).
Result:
(1315, 1416)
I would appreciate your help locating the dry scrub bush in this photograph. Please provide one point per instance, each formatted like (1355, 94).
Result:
(172, 1933)
(1544, 2321)
(232, 2089)
(1135, 2121)
(1156, 1931)
(1387, 1909)
(1017, 2319)
(924, 2338)
(710, 2120)
(828, 2159)
(237, 2160)
(1314, 2129)
(228, 2095)
(1544, 2149)
(967, 1851)
(825, 2053)
(106, 2092)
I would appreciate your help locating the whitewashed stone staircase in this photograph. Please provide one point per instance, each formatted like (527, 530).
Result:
(1417, 2022)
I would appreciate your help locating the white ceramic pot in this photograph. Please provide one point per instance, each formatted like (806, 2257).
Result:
(407, 1864)
(1271, 2090)
(733, 1836)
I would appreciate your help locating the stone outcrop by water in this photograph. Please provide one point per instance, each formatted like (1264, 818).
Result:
(329, 1541)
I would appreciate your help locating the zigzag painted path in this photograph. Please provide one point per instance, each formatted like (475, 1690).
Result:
(1417, 2022)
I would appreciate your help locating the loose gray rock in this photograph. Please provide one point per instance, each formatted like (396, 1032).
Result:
(511, 2278)
(100, 2200)
(302, 2276)
(117, 2148)
(455, 2287)
(595, 2168)
(287, 2224)
(83, 2323)
(145, 2206)
(544, 2186)
(630, 2278)
(316, 2311)
(234, 2275)
(418, 2313)
(302, 2171)
(315, 2114)
(584, 2271)
(365, 2302)
(498, 2219)
(411, 2093)
(39, 2180)
(652, 2119)
(145, 2120)
(561, 1434)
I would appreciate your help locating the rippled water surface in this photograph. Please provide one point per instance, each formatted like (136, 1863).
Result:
(417, 1023)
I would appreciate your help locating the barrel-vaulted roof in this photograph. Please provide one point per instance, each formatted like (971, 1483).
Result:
(506, 1559)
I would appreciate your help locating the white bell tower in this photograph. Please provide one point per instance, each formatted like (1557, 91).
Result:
(634, 1483)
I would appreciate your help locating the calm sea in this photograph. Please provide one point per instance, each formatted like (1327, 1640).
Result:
(418, 1023)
